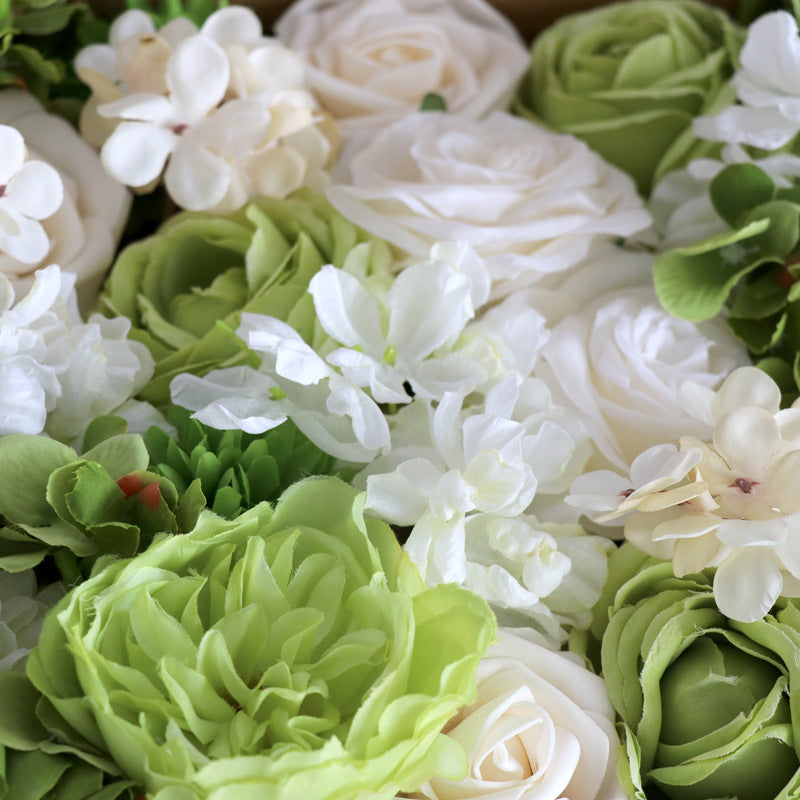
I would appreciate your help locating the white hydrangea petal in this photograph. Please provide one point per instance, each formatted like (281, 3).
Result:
(196, 178)
(401, 497)
(136, 152)
(747, 584)
(346, 310)
(765, 128)
(197, 77)
(36, 190)
(771, 53)
(694, 555)
(748, 438)
(237, 24)
(12, 153)
(22, 238)
(752, 533)
(746, 386)
(133, 22)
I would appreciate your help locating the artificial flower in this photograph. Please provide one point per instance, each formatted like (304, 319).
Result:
(627, 361)
(703, 700)
(292, 652)
(767, 86)
(371, 63)
(727, 503)
(529, 201)
(76, 509)
(628, 78)
(58, 371)
(541, 729)
(84, 228)
(22, 611)
(200, 270)
(236, 470)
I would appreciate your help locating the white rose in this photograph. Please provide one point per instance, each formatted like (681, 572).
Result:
(528, 201)
(542, 728)
(621, 362)
(370, 62)
(85, 230)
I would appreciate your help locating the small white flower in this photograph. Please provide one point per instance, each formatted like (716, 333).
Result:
(29, 191)
(58, 372)
(768, 86)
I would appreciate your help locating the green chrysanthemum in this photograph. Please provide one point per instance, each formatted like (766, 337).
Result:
(704, 701)
(287, 654)
(628, 79)
(236, 470)
(200, 269)
(753, 271)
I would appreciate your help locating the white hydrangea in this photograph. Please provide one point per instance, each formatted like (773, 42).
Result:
(221, 112)
(58, 372)
(730, 503)
(22, 611)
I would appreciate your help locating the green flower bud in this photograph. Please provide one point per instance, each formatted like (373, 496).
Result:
(185, 288)
(628, 79)
(289, 653)
(78, 508)
(704, 701)
(236, 470)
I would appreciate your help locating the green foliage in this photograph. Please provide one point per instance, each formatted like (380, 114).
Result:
(236, 470)
(195, 10)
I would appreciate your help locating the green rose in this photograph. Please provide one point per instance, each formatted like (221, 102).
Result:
(200, 270)
(290, 653)
(707, 705)
(752, 270)
(628, 79)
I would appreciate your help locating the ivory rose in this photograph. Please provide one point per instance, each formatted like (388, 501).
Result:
(541, 728)
(86, 228)
(371, 62)
(528, 201)
(626, 359)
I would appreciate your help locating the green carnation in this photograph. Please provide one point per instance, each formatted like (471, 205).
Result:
(704, 701)
(199, 269)
(752, 270)
(290, 653)
(628, 79)
(74, 508)
(236, 470)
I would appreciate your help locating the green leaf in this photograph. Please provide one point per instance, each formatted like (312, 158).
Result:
(737, 189)
(433, 102)
(19, 726)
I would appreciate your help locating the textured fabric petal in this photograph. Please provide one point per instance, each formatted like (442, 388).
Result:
(36, 190)
(136, 152)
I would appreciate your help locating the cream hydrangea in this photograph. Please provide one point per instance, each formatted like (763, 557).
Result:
(730, 503)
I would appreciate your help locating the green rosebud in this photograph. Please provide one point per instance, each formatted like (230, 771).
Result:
(703, 701)
(185, 287)
(628, 79)
(76, 509)
(752, 270)
(236, 470)
(289, 653)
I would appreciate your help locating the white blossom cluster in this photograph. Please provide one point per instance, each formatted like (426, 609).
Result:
(221, 112)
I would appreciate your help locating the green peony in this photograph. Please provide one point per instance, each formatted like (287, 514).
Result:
(752, 270)
(74, 508)
(290, 653)
(628, 79)
(236, 470)
(707, 705)
(200, 269)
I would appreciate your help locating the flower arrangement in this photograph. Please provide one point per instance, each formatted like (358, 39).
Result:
(392, 408)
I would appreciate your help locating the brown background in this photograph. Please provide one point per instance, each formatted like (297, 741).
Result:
(529, 16)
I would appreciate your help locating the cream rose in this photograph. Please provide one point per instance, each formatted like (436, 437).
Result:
(621, 362)
(371, 62)
(528, 201)
(542, 728)
(85, 230)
